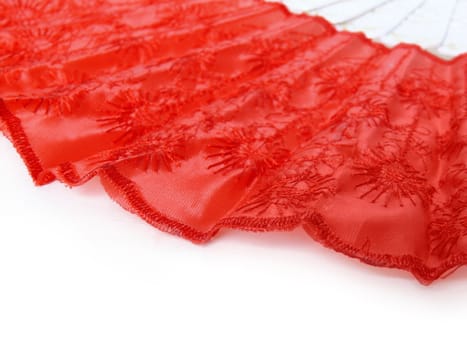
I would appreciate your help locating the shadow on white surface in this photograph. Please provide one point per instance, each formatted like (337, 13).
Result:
(78, 272)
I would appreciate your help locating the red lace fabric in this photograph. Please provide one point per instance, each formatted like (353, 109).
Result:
(199, 115)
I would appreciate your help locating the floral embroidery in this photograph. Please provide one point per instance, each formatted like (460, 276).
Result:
(448, 225)
(408, 139)
(456, 176)
(247, 150)
(132, 113)
(337, 81)
(197, 67)
(427, 91)
(290, 193)
(276, 95)
(452, 144)
(278, 51)
(372, 111)
(140, 48)
(390, 179)
(135, 113)
(156, 151)
(17, 10)
(60, 102)
(368, 110)
(285, 119)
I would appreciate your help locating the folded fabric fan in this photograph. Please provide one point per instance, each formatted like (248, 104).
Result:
(199, 115)
(438, 26)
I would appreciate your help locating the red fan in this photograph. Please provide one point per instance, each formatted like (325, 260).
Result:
(198, 115)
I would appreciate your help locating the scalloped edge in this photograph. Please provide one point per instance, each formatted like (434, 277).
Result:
(362, 35)
(313, 223)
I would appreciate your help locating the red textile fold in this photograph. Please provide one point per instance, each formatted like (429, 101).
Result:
(199, 115)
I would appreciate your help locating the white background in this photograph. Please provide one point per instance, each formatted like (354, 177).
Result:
(78, 272)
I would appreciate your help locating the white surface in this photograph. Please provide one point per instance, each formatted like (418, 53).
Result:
(439, 26)
(78, 272)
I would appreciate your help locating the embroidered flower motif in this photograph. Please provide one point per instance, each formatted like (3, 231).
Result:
(370, 111)
(268, 52)
(322, 155)
(259, 46)
(215, 34)
(456, 176)
(276, 94)
(135, 113)
(452, 143)
(448, 225)
(445, 233)
(414, 139)
(181, 14)
(338, 81)
(24, 40)
(391, 178)
(247, 150)
(198, 68)
(129, 48)
(33, 44)
(20, 10)
(290, 193)
(61, 101)
(132, 113)
(157, 151)
(463, 109)
(428, 92)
